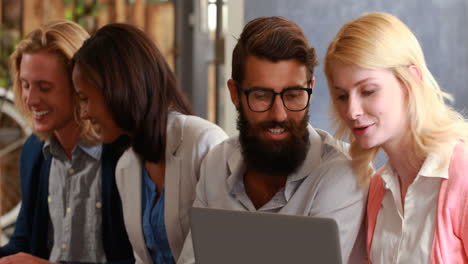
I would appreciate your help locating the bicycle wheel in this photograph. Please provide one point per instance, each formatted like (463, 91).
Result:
(13, 132)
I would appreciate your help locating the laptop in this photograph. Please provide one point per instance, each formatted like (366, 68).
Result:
(240, 237)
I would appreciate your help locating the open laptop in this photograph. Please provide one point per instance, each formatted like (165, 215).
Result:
(239, 237)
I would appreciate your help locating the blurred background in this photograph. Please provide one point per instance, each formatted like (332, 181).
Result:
(197, 38)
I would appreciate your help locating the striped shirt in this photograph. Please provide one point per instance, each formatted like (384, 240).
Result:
(75, 203)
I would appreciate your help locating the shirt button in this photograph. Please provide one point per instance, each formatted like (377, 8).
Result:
(98, 205)
(68, 210)
(71, 171)
(64, 246)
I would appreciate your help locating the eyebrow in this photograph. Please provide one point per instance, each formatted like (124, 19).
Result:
(355, 84)
(37, 81)
(293, 86)
(45, 82)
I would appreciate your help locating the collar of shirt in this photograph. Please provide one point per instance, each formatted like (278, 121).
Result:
(429, 169)
(177, 134)
(236, 167)
(53, 146)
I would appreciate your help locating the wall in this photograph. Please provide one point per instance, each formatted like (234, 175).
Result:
(235, 23)
(157, 19)
(440, 26)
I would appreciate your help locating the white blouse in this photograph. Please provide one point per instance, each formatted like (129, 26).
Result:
(406, 235)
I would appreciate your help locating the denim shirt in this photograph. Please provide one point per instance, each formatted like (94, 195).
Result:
(154, 228)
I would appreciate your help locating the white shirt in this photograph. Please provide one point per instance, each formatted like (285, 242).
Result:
(324, 185)
(406, 235)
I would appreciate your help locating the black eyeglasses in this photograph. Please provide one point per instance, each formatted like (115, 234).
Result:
(261, 99)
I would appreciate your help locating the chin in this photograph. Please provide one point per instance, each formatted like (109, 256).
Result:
(43, 129)
(366, 144)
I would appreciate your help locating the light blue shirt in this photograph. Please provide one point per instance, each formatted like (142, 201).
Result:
(154, 228)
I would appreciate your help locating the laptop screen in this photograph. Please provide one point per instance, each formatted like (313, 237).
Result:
(234, 237)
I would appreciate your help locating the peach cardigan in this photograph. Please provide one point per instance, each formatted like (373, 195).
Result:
(451, 232)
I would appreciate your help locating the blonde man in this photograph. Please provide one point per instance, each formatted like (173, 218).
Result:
(71, 210)
(384, 97)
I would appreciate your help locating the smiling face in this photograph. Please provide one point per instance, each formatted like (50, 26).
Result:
(94, 108)
(372, 103)
(262, 73)
(47, 92)
(276, 141)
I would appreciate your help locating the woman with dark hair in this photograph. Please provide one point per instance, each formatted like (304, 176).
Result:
(70, 206)
(127, 88)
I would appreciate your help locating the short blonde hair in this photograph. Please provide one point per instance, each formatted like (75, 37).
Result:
(62, 38)
(381, 41)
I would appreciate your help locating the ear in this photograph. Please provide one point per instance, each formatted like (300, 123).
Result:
(233, 92)
(312, 82)
(415, 71)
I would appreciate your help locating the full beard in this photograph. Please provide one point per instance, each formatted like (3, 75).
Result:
(273, 157)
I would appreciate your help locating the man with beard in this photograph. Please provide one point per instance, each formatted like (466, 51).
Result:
(279, 163)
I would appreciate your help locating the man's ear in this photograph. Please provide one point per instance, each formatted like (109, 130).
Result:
(312, 82)
(415, 71)
(233, 92)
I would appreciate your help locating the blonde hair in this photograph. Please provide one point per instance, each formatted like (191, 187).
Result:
(381, 41)
(62, 38)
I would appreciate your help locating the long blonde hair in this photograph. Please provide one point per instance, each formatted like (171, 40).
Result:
(381, 41)
(62, 38)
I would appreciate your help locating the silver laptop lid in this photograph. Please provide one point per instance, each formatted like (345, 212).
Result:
(239, 237)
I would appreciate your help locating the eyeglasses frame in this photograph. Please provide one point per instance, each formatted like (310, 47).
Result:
(248, 91)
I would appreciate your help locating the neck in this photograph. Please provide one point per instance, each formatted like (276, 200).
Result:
(261, 187)
(404, 158)
(68, 137)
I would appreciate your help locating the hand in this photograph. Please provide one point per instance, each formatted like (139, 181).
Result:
(23, 258)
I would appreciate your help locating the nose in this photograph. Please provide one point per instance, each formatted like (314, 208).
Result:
(31, 96)
(354, 108)
(84, 111)
(278, 111)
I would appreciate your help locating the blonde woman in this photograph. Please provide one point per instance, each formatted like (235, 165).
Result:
(384, 97)
(71, 210)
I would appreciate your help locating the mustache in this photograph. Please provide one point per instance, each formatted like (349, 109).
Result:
(272, 124)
